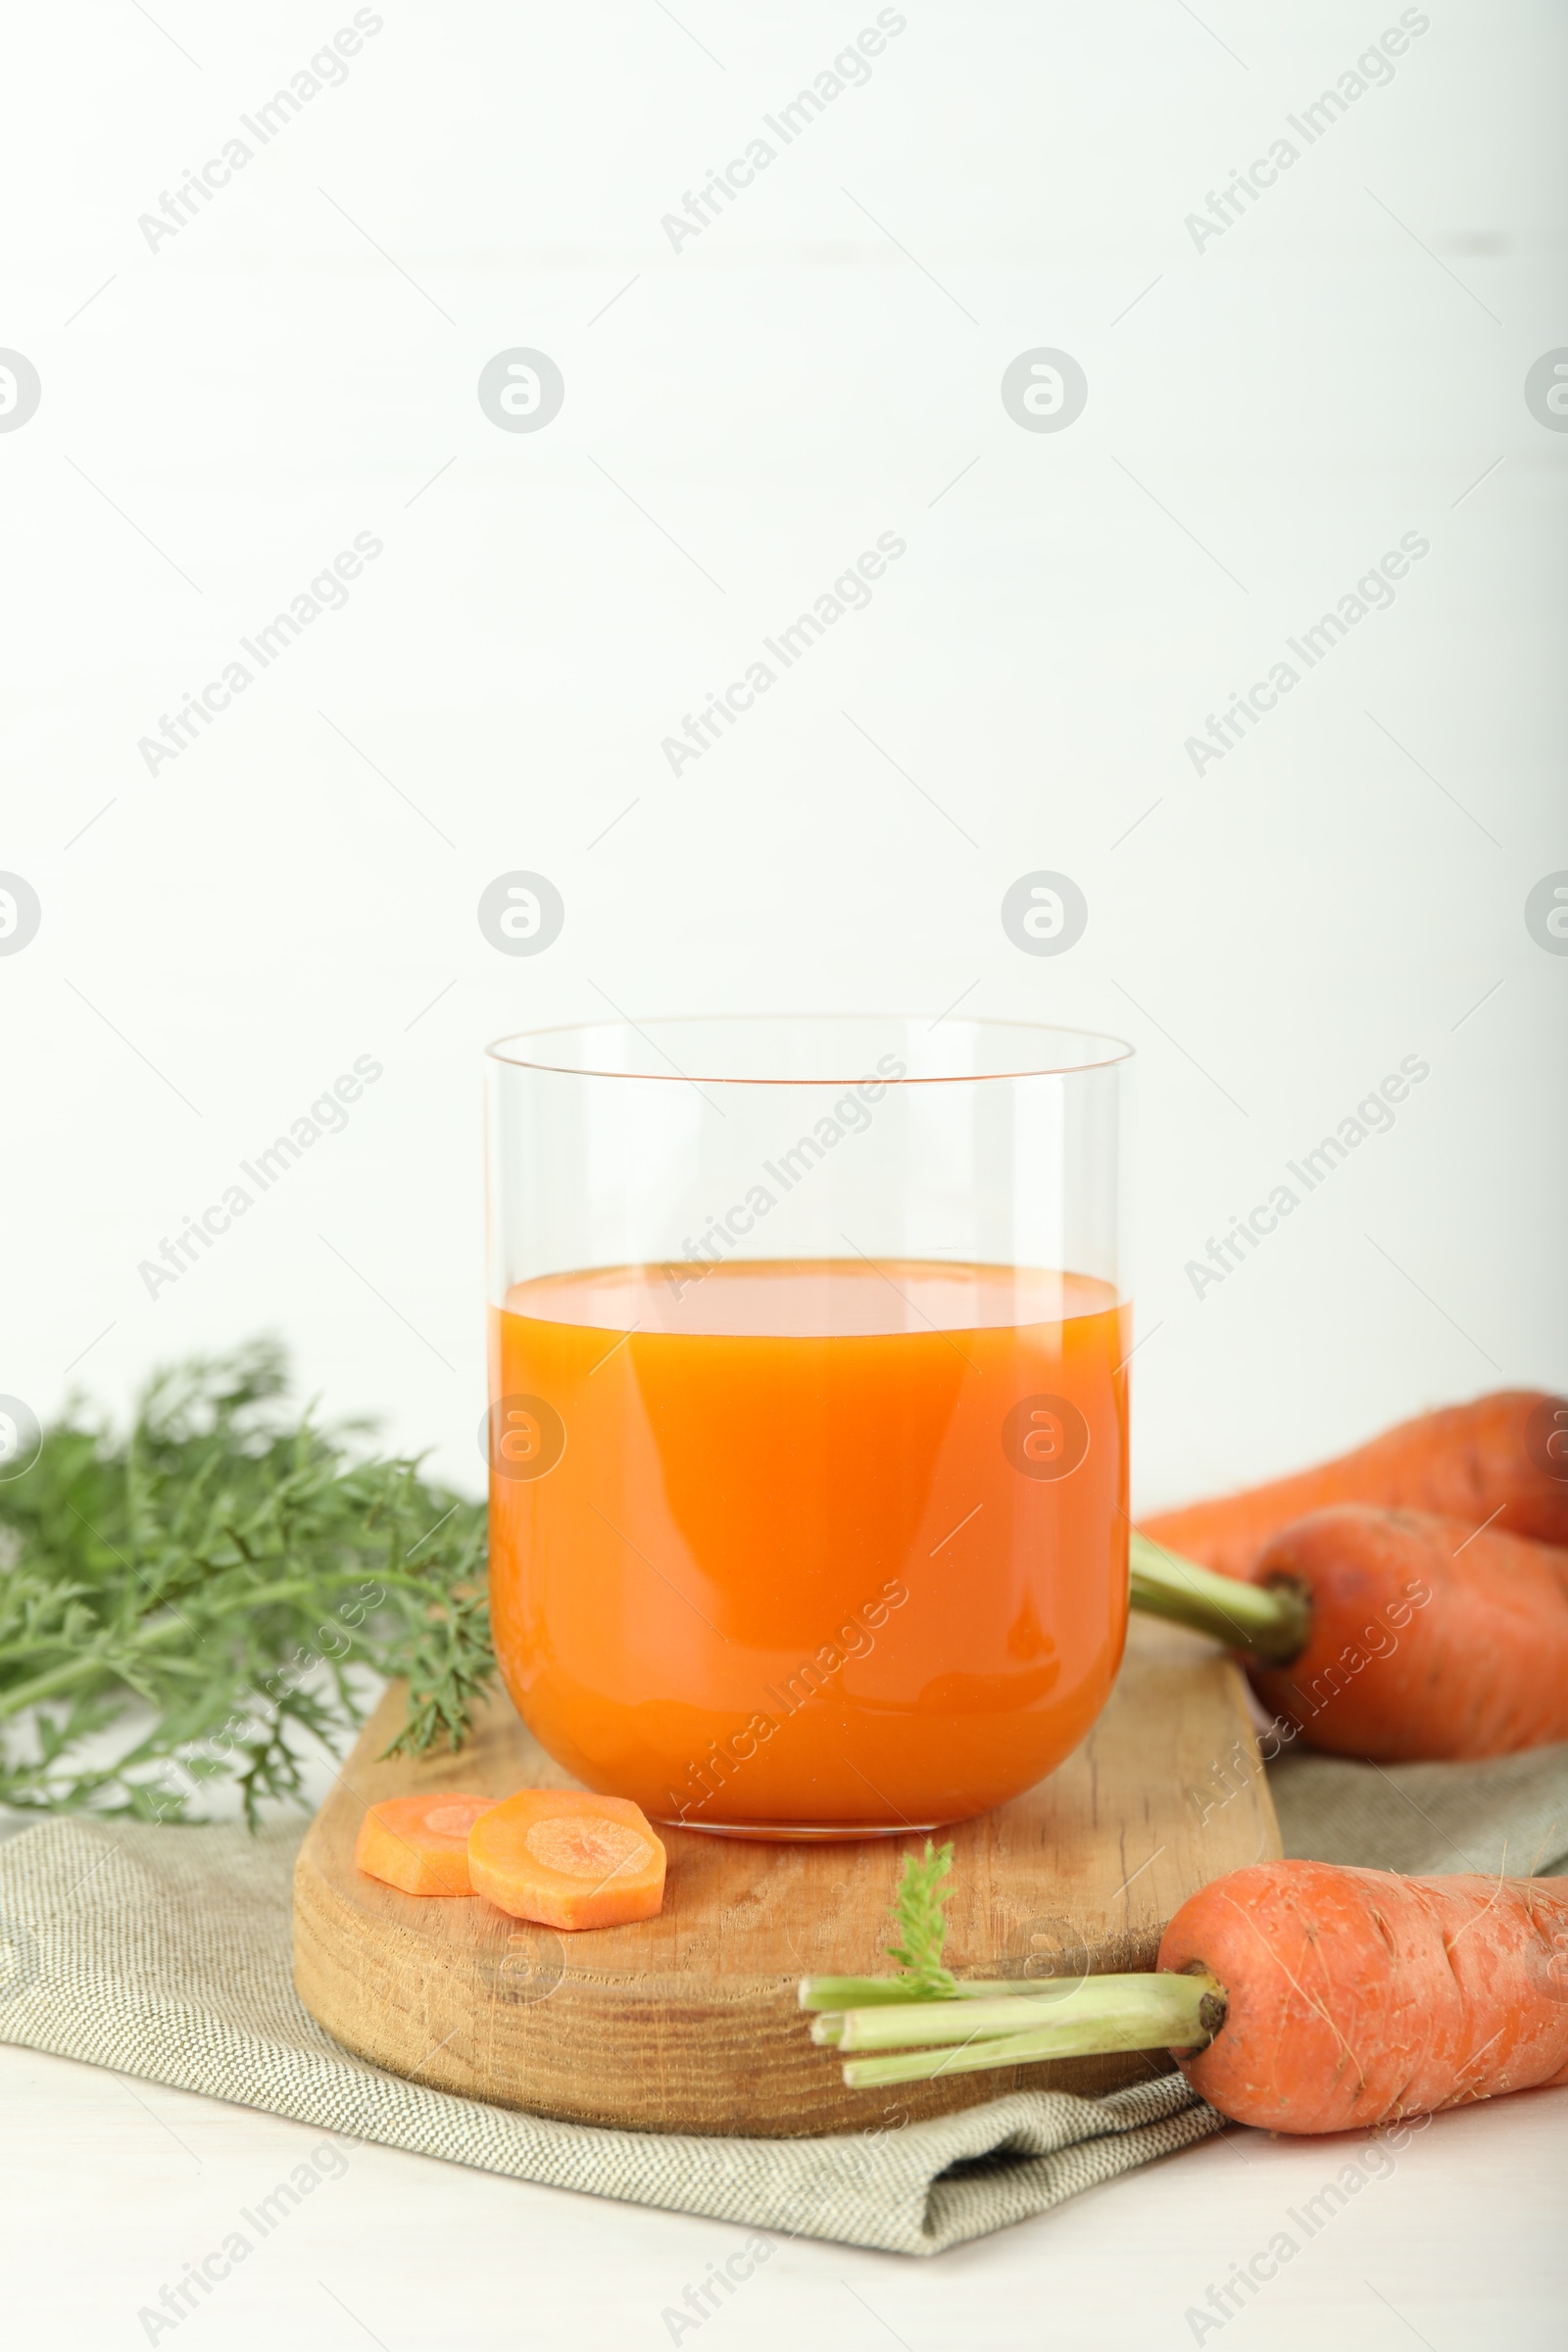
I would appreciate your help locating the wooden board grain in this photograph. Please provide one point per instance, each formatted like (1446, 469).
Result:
(689, 2022)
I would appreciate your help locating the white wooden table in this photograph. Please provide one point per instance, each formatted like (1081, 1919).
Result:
(110, 2189)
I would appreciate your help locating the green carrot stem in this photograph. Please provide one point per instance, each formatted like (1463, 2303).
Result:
(1271, 1621)
(88, 1664)
(887, 2023)
(890, 2028)
(1139, 2013)
(866, 1992)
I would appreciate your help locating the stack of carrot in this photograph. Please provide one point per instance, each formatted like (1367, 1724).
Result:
(1408, 1600)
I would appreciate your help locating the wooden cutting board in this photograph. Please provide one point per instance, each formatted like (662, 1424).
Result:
(689, 2022)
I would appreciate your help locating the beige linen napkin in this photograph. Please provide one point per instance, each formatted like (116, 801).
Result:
(1508, 1813)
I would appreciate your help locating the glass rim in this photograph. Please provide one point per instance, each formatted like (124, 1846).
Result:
(497, 1051)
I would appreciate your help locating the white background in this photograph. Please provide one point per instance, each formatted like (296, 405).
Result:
(1301, 392)
(299, 364)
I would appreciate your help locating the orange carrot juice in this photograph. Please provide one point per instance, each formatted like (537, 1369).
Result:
(810, 1548)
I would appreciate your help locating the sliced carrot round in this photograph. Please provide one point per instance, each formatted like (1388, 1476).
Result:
(568, 1859)
(420, 1844)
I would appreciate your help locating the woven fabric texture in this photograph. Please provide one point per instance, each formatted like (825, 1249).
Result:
(1428, 1820)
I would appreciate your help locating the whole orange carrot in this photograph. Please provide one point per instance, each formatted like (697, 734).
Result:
(1296, 1996)
(1354, 1996)
(1393, 1634)
(1424, 1639)
(1502, 1458)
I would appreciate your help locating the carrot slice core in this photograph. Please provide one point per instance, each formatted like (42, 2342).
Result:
(597, 1851)
(457, 1819)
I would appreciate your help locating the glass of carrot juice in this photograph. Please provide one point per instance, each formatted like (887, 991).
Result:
(807, 1432)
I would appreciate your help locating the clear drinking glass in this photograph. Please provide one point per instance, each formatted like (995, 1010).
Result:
(809, 1412)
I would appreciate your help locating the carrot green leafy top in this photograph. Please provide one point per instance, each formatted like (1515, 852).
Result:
(918, 1915)
(194, 1598)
